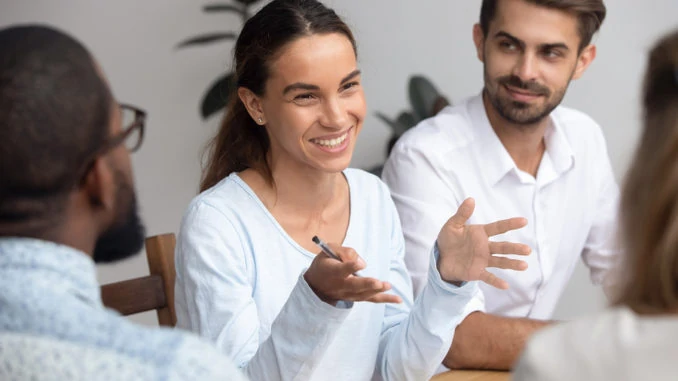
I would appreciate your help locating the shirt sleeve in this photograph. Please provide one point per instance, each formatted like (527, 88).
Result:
(424, 202)
(601, 252)
(417, 335)
(214, 298)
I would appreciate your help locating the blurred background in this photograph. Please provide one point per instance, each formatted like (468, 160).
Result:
(136, 43)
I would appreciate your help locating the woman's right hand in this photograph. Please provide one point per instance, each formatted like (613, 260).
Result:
(332, 280)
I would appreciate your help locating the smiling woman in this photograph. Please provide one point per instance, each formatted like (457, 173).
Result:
(241, 142)
(247, 273)
(312, 107)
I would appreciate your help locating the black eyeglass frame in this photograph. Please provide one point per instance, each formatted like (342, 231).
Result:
(139, 123)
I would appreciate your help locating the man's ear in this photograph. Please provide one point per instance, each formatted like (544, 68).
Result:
(253, 105)
(584, 60)
(479, 41)
(99, 185)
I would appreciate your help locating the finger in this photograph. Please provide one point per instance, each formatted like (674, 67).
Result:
(347, 254)
(346, 269)
(493, 280)
(359, 285)
(464, 212)
(499, 227)
(509, 248)
(384, 298)
(364, 296)
(507, 263)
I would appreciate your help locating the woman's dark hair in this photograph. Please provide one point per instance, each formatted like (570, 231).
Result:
(241, 143)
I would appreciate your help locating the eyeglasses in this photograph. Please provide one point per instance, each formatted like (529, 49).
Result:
(133, 121)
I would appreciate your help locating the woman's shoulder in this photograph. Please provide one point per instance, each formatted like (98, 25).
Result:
(230, 196)
(365, 181)
(595, 343)
(370, 197)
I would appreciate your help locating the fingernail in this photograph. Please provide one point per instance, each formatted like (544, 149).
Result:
(361, 262)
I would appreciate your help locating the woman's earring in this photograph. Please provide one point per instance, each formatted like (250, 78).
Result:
(261, 121)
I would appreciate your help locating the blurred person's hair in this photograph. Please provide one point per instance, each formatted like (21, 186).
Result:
(650, 195)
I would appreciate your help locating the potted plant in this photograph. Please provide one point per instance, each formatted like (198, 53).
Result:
(217, 95)
(426, 102)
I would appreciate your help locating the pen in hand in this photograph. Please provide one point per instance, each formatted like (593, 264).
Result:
(380, 296)
(327, 250)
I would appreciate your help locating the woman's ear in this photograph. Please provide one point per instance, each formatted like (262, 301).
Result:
(253, 105)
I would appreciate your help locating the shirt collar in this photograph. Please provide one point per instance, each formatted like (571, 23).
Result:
(558, 147)
(497, 162)
(74, 268)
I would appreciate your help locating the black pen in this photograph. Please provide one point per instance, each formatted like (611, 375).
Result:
(327, 250)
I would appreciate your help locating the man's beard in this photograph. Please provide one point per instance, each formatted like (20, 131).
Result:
(517, 112)
(126, 236)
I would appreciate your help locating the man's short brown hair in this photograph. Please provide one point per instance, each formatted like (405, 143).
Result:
(590, 14)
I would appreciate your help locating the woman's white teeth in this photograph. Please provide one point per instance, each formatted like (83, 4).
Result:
(331, 142)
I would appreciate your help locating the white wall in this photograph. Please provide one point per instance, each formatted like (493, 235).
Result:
(134, 42)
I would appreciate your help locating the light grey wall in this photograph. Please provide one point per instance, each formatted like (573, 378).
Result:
(134, 42)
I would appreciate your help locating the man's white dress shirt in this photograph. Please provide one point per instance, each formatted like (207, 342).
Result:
(571, 205)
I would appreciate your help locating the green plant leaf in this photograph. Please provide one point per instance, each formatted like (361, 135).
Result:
(224, 8)
(408, 120)
(397, 126)
(207, 38)
(246, 2)
(218, 95)
(423, 95)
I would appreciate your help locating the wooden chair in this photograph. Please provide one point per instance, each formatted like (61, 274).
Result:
(151, 292)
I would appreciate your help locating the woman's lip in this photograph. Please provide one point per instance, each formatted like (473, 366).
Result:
(333, 136)
(339, 148)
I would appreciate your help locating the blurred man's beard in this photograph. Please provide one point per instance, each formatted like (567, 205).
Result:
(126, 237)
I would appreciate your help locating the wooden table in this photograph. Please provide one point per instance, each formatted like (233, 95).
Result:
(472, 375)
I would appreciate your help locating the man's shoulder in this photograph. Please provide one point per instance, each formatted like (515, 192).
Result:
(179, 354)
(451, 129)
(575, 123)
(126, 350)
(43, 357)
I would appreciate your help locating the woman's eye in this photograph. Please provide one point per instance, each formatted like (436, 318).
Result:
(304, 97)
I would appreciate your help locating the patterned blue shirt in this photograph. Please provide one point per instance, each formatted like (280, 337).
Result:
(53, 326)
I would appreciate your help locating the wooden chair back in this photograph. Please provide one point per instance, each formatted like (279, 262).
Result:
(151, 292)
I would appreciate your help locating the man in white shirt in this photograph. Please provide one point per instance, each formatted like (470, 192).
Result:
(518, 153)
